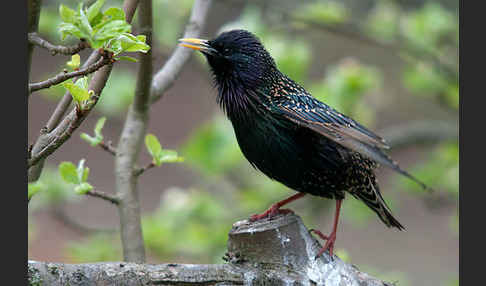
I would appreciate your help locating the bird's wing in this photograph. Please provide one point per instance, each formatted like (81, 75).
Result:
(308, 112)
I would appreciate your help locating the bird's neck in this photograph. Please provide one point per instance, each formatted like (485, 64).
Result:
(238, 93)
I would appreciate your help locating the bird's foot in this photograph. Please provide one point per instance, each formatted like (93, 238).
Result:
(330, 240)
(271, 212)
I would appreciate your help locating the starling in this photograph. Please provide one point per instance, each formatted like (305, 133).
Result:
(289, 135)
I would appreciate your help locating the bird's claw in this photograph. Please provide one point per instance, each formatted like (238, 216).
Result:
(270, 213)
(330, 240)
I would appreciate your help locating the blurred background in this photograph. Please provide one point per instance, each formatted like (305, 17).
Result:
(390, 64)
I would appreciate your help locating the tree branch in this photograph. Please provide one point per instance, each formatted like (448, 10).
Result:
(129, 147)
(35, 39)
(166, 76)
(104, 196)
(71, 122)
(108, 147)
(63, 76)
(139, 172)
(47, 134)
(269, 252)
(33, 9)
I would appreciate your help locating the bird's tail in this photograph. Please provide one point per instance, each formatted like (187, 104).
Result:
(371, 196)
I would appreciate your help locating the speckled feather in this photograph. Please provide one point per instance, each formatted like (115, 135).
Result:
(289, 135)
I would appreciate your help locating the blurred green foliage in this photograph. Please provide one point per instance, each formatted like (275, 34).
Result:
(55, 190)
(383, 21)
(188, 223)
(345, 87)
(292, 54)
(330, 12)
(191, 225)
(428, 27)
(95, 248)
(169, 20)
(212, 148)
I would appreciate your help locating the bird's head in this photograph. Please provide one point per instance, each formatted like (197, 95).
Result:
(236, 55)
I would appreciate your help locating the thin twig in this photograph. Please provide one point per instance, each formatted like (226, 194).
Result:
(139, 171)
(35, 39)
(53, 129)
(104, 60)
(108, 147)
(53, 140)
(104, 196)
(66, 100)
(166, 76)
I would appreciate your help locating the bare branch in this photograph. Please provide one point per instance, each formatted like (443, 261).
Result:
(107, 147)
(35, 39)
(104, 196)
(166, 76)
(143, 169)
(104, 60)
(269, 252)
(129, 146)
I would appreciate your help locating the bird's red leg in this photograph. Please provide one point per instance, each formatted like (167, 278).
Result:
(332, 237)
(275, 208)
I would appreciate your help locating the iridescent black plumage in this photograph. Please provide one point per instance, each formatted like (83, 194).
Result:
(289, 135)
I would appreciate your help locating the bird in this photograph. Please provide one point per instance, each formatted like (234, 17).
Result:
(290, 136)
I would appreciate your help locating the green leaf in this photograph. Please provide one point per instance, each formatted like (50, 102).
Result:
(85, 174)
(115, 13)
(69, 29)
(74, 62)
(112, 29)
(83, 188)
(34, 188)
(127, 58)
(130, 43)
(93, 141)
(99, 125)
(170, 156)
(153, 145)
(82, 82)
(78, 90)
(84, 26)
(94, 9)
(157, 161)
(68, 172)
(68, 15)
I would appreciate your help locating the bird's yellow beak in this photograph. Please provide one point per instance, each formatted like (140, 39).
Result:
(199, 45)
(193, 43)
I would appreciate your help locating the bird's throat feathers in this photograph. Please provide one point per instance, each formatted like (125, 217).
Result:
(237, 90)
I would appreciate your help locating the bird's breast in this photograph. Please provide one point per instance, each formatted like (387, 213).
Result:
(270, 146)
